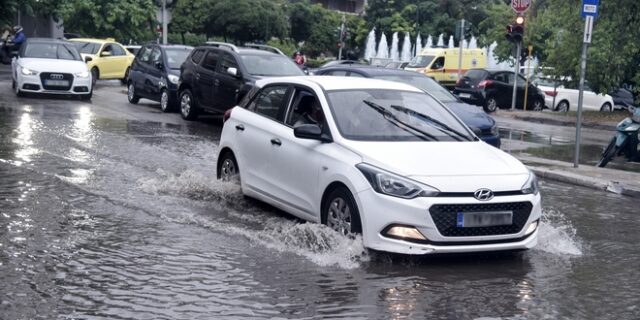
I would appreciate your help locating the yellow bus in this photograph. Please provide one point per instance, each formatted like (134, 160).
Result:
(441, 64)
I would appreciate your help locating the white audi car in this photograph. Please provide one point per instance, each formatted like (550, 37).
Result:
(379, 158)
(50, 66)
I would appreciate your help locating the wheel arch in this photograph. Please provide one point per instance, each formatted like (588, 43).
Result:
(222, 152)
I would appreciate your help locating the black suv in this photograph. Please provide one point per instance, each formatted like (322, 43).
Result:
(493, 89)
(154, 74)
(215, 77)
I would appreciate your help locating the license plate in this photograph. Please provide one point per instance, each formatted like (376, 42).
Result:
(484, 219)
(464, 95)
(56, 83)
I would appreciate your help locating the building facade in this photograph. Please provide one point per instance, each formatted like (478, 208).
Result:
(348, 6)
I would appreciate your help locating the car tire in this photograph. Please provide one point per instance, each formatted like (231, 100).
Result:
(95, 74)
(606, 107)
(17, 90)
(563, 106)
(490, 105)
(538, 105)
(86, 97)
(131, 93)
(126, 76)
(13, 84)
(188, 106)
(228, 167)
(166, 104)
(340, 212)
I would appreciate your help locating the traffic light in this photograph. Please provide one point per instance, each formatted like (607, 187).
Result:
(467, 30)
(515, 31)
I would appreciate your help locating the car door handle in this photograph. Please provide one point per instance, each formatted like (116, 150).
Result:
(240, 127)
(276, 142)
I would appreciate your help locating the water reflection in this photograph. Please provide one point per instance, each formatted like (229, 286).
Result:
(24, 139)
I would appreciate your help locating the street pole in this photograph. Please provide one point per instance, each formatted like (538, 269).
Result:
(164, 22)
(460, 52)
(588, 27)
(515, 78)
(341, 42)
(526, 87)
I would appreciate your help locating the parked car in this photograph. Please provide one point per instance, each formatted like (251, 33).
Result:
(493, 89)
(333, 63)
(379, 158)
(396, 65)
(50, 66)
(482, 124)
(566, 97)
(155, 73)
(106, 58)
(623, 99)
(215, 77)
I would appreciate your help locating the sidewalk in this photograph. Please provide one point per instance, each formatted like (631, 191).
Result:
(616, 181)
(554, 119)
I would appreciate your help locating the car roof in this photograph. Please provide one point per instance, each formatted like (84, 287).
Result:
(340, 83)
(372, 71)
(93, 40)
(46, 40)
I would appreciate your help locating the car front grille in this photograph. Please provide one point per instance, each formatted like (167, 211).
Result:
(56, 76)
(445, 217)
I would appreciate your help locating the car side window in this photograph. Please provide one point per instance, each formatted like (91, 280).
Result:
(156, 56)
(117, 50)
(356, 75)
(510, 78)
(211, 61)
(228, 61)
(305, 109)
(271, 102)
(500, 77)
(197, 56)
(438, 64)
(108, 48)
(144, 54)
(338, 73)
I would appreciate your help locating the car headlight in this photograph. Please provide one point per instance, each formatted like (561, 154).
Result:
(393, 185)
(84, 74)
(173, 79)
(28, 72)
(531, 186)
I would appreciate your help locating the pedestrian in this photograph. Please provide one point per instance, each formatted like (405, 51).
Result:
(299, 58)
(5, 54)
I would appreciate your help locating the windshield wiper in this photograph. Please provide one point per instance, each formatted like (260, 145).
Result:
(397, 122)
(439, 125)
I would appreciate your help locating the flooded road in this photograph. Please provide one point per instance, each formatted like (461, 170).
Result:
(112, 211)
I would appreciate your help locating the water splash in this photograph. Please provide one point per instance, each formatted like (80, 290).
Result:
(557, 236)
(429, 43)
(473, 43)
(383, 48)
(394, 55)
(418, 45)
(406, 48)
(451, 42)
(440, 43)
(370, 49)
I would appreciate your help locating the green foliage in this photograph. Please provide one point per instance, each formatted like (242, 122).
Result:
(246, 20)
(286, 46)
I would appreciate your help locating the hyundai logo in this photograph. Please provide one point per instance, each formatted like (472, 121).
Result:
(56, 76)
(483, 194)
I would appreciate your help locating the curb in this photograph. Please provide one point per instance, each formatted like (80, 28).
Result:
(557, 122)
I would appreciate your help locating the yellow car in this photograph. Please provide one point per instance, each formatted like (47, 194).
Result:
(105, 58)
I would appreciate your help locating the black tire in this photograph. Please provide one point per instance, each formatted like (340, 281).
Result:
(490, 105)
(86, 97)
(131, 93)
(608, 153)
(606, 107)
(95, 75)
(13, 84)
(166, 103)
(563, 106)
(126, 76)
(188, 106)
(340, 212)
(228, 167)
(538, 105)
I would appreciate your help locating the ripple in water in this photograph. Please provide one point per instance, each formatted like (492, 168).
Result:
(557, 236)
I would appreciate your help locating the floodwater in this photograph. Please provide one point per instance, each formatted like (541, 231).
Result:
(107, 218)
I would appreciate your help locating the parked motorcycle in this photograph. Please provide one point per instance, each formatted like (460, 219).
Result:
(625, 140)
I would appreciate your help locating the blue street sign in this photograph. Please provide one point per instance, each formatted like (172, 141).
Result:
(590, 8)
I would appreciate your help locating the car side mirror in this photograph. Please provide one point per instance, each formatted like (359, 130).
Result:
(233, 71)
(159, 65)
(88, 59)
(105, 54)
(310, 131)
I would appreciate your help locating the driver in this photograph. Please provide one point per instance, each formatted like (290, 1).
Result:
(310, 112)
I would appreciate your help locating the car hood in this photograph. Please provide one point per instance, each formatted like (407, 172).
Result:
(472, 116)
(53, 65)
(448, 166)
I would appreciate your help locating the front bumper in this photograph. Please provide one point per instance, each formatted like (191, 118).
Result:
(36, 84)
(378, 212)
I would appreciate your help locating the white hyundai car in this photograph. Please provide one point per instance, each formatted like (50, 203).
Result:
(50, 66)
(379, 158)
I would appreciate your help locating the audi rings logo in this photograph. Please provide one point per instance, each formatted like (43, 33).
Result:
(56, 76)
(483, 194)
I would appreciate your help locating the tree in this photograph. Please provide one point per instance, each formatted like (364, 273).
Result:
(246, 20)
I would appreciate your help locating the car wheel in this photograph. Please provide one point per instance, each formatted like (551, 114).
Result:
(165, 102)
(86, 97)
(491, 105)
(126, 77)
(131, 94)
(95, 73)
(606, 107)
(563, 106)
(13, 84)
(228, 167)
(340, 213)
(538, 105)
(188, 108)
(17, 90)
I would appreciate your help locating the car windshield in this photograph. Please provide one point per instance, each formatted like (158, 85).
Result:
(175, 57)
(270, 65)
(393, 115)
(420, 61)
(87, 47)
(425, 84)
(51, 51)
(475, 74)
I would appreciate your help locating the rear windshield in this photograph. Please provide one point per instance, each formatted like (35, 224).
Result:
(423, 83)
(51, 51)
(475, 74)
(87, 47)
(175, 57)
(420, 61)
